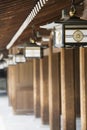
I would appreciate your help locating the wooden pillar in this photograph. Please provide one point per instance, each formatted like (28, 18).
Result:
(54, 90)
(77, 81)
(67, 88)
(83, 87)
(11, 81)
(20, 87)
(36, 70)
(44, 90)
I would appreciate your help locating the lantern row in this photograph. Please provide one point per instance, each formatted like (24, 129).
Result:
(31, 51)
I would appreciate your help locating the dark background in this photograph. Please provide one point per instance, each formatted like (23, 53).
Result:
(2, 73)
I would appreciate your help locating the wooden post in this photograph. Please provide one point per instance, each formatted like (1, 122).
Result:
(36, 70)
(77, 81)
(54, 90)
(67, 88)
(11, 81)
(44, 90)
(83, 87)
(20, 86)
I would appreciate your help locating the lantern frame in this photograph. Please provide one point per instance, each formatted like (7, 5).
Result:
(20, 58)
(71, 32)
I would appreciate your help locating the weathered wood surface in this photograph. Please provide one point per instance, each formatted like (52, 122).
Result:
(20, 87)
(83, 87)
(44, 90)
(54, 89)
(36, 82)
(68, 90)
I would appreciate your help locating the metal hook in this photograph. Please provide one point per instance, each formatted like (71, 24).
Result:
(73, 9)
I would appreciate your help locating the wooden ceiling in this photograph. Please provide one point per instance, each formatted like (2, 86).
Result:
(14, 12)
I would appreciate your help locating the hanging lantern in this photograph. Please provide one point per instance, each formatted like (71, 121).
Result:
(20, 58)
(10, 60)
(33, 51)
(71, 32)
(3, 64)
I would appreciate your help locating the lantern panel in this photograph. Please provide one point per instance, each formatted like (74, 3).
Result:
(75, 34)
(58, 36)
(33, 52)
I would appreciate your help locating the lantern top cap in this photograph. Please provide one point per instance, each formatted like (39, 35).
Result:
(73, 20)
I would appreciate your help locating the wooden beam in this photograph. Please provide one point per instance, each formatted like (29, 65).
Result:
(44, 90)
(83, 87)
(36, 74)
(67, 89)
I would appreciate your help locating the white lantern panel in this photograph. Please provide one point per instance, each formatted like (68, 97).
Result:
(58, 38)
(19, 59)
(5, 64)
(75, 36)
(32, 52)
(11, 62)
(1, 66)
